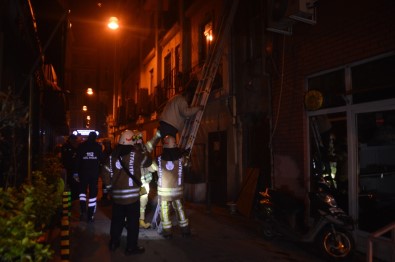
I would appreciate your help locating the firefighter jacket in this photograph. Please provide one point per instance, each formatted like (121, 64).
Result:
(124, 189)
(170, 179)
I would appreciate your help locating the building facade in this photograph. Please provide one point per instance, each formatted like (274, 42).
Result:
(285, 67)
(336, 73)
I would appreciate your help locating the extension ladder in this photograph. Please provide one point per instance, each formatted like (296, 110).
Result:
(209, 72)
(202, 93)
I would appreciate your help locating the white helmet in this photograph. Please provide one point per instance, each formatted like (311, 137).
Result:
(126, 138)
(169, 142)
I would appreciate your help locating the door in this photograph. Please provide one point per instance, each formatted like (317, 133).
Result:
(376, 165)
(217, 168)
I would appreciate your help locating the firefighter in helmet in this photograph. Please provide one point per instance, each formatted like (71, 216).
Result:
(171, 186)
(121, 173)
(146, 178)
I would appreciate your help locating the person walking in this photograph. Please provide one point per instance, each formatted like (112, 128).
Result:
(122, 176)
(68, 154)
(87, 167)
(171, 187)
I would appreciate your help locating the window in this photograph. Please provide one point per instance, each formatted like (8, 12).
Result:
(168, 80)
(370, 81)
(206, 40)
(332, 86)
(374, 80)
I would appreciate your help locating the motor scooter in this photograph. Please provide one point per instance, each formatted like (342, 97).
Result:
(328, 226)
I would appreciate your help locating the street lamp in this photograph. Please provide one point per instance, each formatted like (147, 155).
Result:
(89, 91)
(113, 24)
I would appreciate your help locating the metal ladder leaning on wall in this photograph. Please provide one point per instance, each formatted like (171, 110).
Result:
(209, 72)
(203, 91)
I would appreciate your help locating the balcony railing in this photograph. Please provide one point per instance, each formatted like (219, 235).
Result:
(169, 86)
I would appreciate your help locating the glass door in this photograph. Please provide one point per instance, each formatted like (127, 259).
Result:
(376, 165)
(329, 153)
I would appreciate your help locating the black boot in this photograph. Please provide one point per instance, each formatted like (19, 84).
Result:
(134, 250)
(113, 245)
(167, 234)
(186, 231)
(82, 216)
(151, 144)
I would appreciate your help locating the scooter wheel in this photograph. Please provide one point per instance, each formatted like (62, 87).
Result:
(338, 246)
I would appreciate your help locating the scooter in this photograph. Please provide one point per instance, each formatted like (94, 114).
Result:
(329, 226)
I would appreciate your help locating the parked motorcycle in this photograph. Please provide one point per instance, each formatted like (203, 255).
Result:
(329, 226)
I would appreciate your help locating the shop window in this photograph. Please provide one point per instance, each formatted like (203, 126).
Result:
(373, 80)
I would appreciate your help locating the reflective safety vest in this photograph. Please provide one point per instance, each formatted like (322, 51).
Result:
(170, 179)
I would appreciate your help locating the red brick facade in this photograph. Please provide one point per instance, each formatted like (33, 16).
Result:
(346, 31)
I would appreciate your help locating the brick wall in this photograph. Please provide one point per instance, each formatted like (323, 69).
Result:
(346, 31)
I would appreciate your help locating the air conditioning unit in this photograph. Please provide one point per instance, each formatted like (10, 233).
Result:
(303, 10)
(282, 14)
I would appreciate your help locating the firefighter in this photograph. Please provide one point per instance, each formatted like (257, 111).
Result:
(107, 150)
(87, 167)
(170, 187)
(121, 175)
(146, 178)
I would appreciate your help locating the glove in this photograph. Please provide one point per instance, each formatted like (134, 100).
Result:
(147, 178)
(186, 161)
(76, 177)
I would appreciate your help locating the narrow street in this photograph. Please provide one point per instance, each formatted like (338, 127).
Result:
(217, 235)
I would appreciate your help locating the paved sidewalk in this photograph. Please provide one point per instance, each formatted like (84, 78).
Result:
(216, 236)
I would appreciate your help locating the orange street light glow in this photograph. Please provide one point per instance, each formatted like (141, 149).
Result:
(113, 23)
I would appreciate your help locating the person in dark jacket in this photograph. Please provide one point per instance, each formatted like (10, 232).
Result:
(68, 154)
(88, 160)
(124, 163)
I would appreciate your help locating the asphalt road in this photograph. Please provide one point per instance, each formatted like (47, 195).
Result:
(216, 236)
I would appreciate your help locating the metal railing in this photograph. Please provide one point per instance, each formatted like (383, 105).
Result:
(375, 237)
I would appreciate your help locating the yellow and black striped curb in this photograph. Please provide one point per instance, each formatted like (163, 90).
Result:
(65, 227)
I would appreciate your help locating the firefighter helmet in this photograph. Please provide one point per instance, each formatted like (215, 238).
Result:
(169, 142)
(126, 138)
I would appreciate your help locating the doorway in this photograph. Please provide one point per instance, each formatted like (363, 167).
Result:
(217, 167)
